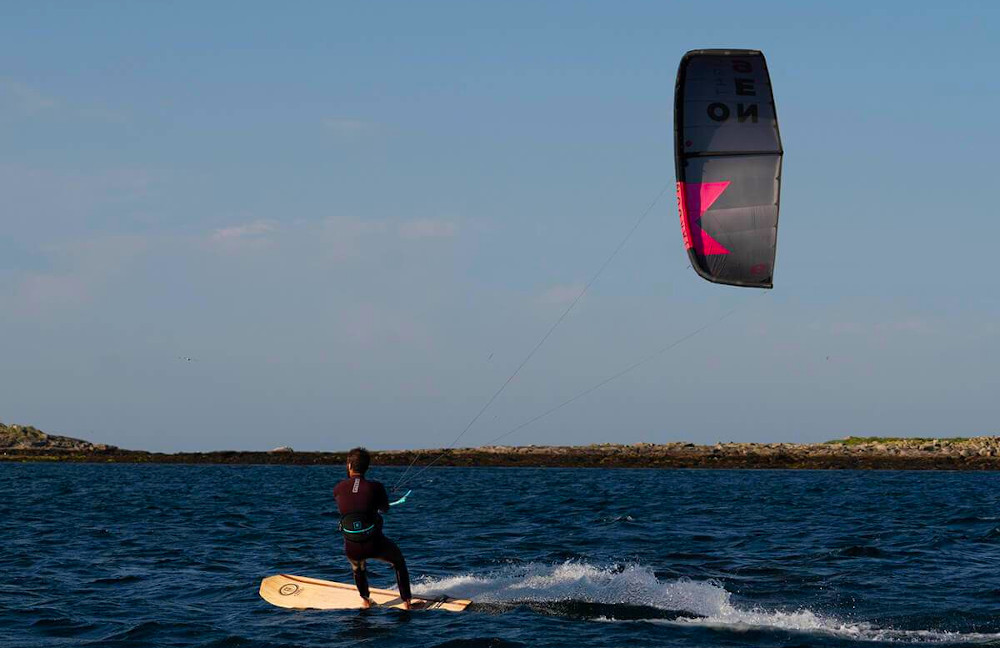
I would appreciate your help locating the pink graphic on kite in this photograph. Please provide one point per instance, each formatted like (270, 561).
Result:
(694, 199)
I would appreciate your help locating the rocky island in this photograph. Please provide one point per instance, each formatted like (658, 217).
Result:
(27, 444)
(25, 437)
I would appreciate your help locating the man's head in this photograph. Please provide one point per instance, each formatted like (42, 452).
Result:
(358, 460)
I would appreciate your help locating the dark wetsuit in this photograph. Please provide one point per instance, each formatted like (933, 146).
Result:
(358, 495)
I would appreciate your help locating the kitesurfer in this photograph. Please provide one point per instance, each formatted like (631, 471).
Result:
(360, 503)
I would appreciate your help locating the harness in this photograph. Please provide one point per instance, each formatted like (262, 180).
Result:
(358, 527)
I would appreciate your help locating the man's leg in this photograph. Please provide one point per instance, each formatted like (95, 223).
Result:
(390, 553)
(360, 577)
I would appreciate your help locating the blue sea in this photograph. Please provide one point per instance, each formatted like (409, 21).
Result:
(158, 555)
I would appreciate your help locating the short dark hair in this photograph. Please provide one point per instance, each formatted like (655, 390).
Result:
(359, 459)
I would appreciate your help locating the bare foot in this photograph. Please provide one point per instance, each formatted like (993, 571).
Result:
(366, 603)
(406, 605)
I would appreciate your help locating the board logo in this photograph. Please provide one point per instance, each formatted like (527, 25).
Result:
(289, 589)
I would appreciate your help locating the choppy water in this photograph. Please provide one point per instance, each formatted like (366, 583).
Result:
(121, 555)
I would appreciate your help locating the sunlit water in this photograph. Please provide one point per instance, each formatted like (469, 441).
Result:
(122, 555)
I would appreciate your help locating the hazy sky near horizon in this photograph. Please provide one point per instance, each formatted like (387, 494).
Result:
(357, 219)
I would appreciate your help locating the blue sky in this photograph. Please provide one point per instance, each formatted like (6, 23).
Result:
(358, 218)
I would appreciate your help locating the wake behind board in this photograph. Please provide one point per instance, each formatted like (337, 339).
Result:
(301, 593)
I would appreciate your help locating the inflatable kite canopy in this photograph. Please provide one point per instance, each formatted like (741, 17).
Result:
(728, 157)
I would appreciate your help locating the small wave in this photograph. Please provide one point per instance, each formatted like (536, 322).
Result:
(699, 603)
(117, 580)
(62, 627)
(141, 631)
(486, 642)
(860, 551)
(234, 641)
(616, 519)
(809, 622)
(573, 581)
(968, 519)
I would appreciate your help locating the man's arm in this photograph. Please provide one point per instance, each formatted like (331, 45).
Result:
(336, 494)
(382, 498)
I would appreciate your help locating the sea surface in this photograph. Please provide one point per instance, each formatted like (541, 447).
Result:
(155, 555)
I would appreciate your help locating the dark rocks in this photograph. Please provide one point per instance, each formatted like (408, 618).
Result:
(26, 437)
(20, 443)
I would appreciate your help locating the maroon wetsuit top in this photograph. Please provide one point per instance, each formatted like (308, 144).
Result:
(358, 495)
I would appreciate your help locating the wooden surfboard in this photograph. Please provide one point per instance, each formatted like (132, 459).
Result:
(301, 593)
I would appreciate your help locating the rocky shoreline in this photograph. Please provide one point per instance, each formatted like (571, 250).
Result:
(26, 444)
(26, 437)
